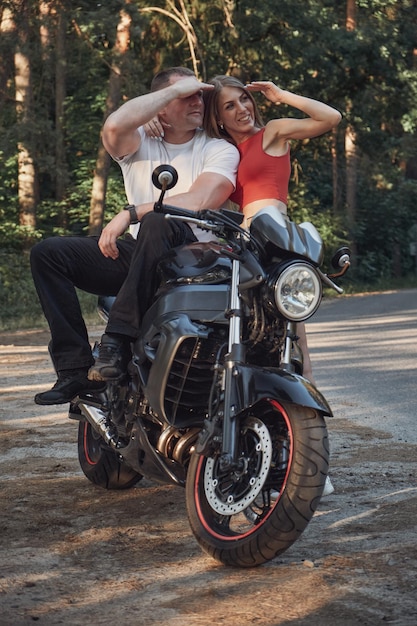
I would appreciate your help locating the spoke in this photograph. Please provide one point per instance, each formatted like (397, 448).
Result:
(224, 521)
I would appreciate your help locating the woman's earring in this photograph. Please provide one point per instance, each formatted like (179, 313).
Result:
(221, 126)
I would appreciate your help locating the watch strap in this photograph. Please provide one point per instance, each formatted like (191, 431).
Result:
(132, 212)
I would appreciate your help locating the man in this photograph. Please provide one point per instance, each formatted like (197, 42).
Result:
(126, 267)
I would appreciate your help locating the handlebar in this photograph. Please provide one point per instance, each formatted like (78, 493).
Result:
(219, 221)
(176, 211)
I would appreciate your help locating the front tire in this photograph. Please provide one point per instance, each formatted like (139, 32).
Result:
(100, 463)
(249, 517)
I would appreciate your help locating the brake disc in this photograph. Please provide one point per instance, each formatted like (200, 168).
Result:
(229, 494)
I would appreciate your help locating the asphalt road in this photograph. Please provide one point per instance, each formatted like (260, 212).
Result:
(364, 353)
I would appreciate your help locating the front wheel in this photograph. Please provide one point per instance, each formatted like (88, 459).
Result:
(100, 464)
(253, 513)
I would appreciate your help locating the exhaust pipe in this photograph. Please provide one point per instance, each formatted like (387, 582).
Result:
(98, 421)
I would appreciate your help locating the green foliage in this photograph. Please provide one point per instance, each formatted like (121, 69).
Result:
(19, 307)
(368, 73)
(19, 304)
(385, 228)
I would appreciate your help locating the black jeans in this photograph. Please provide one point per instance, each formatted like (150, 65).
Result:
(59, 264)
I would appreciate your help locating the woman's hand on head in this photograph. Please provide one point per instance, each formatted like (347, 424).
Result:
(154, 129)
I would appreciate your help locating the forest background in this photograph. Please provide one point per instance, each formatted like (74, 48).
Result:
(65, 65)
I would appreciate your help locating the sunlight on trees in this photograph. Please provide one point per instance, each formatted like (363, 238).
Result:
(66, 65)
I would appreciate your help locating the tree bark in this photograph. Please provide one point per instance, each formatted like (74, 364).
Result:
(335, 173)
(7, 34)
(60, 93)
(101, 172)
(27, 176)
(351, 155)
(52, 36)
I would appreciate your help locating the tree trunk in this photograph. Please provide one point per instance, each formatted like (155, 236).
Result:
(52, 36)
(27, 176)
(7, 34)
(351, 174)
(335, 173)
(60, 93)
(351, 154)
(351, 15)
(98, 194)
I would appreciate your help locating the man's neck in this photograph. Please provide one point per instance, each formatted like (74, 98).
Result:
(177, 137)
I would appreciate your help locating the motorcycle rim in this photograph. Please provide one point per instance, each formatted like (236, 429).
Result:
(247, 520)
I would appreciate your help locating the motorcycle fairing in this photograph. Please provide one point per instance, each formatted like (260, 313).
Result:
(148, 461)
(276, 233)
(168, 345)
(252, 384)
(206, 303)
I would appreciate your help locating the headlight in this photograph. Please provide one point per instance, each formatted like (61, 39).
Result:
(297, 292)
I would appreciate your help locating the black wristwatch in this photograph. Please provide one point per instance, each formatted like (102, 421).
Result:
(132, 212)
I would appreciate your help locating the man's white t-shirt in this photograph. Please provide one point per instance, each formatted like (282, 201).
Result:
(201, 154)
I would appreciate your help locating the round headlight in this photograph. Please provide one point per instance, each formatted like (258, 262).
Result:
(297, 292)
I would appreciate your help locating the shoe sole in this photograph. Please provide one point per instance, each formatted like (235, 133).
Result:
(97, 376)
(41, 402)
(49, 403)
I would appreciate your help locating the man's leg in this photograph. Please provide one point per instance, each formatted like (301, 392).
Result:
(157, 236)
(59, 265)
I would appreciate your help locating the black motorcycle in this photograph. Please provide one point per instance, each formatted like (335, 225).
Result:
(214, 399)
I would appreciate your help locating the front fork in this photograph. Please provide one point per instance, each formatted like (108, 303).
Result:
(236, 354)
(292, 357)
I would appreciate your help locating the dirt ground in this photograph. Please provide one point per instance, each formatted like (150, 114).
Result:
(74, 554)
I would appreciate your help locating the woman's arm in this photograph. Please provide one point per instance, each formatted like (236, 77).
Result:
(321, 117)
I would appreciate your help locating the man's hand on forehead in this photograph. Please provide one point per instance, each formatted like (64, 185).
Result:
(188, 86)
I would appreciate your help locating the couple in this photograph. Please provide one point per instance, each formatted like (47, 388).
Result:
(207, 162)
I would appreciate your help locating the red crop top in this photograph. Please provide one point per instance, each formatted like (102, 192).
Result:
(260, 175)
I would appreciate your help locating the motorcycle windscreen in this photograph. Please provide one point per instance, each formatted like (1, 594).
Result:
(278, 235)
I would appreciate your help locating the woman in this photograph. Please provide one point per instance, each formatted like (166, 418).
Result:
(264, 170)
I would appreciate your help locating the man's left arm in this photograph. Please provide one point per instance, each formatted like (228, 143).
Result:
(209, 191)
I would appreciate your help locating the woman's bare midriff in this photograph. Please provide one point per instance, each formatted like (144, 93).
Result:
(252, 209)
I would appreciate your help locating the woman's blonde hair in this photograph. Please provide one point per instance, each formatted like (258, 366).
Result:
(211, 106)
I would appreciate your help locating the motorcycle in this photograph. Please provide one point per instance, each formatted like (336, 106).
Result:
(214, 399)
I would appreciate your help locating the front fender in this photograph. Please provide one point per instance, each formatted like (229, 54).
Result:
(253, 384)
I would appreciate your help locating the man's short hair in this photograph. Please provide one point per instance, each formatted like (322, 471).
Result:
(162, 78)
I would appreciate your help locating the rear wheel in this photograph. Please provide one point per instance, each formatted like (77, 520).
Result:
(250, 515)
(100, 463)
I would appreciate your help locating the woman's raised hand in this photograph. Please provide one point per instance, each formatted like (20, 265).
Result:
(268, 89)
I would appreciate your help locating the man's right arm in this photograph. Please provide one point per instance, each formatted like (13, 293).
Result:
(120, 131)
